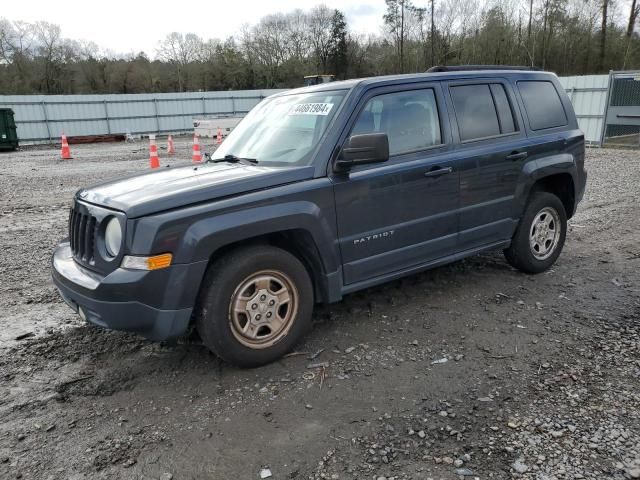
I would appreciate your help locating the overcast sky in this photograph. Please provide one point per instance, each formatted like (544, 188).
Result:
(126, 26)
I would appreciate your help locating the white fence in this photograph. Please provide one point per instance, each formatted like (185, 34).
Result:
(588, 95)
(43, 118)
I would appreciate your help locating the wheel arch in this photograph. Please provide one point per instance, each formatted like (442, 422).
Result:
(555, 174)
(562, 186)
(298, 242)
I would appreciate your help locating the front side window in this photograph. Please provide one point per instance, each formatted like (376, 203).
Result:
(283, 130)
(410, 119)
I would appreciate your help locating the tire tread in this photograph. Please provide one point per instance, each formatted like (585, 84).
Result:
(519, 254)
(220, 280)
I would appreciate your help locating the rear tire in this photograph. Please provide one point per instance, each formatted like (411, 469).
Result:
(540, 235)
(255, 305)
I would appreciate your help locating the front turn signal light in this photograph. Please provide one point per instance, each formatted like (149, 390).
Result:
(155, 262)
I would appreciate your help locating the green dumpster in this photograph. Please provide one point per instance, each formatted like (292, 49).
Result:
(8, 135)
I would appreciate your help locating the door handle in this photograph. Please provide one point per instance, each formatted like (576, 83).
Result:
(437, 171)
(517, 156)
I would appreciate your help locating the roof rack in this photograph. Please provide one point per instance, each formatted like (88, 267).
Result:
(467, 68)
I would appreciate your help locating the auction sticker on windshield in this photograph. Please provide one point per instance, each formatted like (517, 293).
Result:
(311, 109)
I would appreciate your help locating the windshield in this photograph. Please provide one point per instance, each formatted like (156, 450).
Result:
(283, 131)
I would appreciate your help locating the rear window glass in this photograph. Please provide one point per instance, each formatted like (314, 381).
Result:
(543, 104)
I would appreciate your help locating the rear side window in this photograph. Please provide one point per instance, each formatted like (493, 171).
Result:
(475, 111)
(482, 111)
(543, 104)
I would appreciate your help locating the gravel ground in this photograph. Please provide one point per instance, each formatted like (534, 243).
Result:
(471, 370)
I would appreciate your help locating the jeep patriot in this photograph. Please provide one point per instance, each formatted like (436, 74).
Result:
(322, 191)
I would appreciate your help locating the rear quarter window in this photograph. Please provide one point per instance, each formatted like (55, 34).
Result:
(543, 105)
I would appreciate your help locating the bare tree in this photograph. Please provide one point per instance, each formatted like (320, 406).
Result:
(48, 38)
(269, 42)
(298, 33)
(566, 36)
(421, 36)
(6, 36)
(249, 53)
(432, 37)
(395, 19)
(320, 24)
(446, 25)
(603, 34)
(180, 50)
(634, 11)
(16, 48)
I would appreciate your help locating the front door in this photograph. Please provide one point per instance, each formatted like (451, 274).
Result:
(402, 213)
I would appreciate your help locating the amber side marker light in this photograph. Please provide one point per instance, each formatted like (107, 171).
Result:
(155, 262)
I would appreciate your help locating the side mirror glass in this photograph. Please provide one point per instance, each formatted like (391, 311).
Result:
(363, 149)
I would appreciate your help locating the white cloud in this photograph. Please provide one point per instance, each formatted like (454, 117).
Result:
(131, 26)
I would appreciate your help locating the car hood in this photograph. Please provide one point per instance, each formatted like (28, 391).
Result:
(153, 192)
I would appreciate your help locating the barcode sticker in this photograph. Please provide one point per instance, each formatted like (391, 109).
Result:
(311, 109)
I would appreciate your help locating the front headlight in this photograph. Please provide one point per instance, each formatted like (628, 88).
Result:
(113, 237)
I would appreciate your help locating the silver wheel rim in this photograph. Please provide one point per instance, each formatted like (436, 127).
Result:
(544, 234)
(263, 308)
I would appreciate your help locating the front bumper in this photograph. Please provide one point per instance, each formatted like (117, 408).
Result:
(157, 304)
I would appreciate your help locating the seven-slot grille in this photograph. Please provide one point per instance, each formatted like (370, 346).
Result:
(82, 228)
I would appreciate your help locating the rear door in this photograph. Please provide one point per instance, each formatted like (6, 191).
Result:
(399, 214)
(492, 147)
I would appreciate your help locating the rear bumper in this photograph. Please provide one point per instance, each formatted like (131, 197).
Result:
(157, 305)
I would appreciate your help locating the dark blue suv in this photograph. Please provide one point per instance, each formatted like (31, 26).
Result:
(322, 191)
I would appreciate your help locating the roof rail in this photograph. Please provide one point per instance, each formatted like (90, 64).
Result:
(467, 68)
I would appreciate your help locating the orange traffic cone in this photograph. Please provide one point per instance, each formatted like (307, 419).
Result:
(196, 157)
(154, 161)
(219, 137)
(170, 149)
(65, 151)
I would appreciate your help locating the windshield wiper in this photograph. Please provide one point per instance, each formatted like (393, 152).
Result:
(234, 159)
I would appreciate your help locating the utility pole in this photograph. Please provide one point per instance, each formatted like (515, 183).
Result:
(433, 28)
(402, 36)
(530, 18)
(529, 45)
(603, 34)
(633, 15)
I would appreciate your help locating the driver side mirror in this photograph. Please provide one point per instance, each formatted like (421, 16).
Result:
(363, 149)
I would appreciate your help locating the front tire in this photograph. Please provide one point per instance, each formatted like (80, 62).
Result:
(255, 305)
(540, 235)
